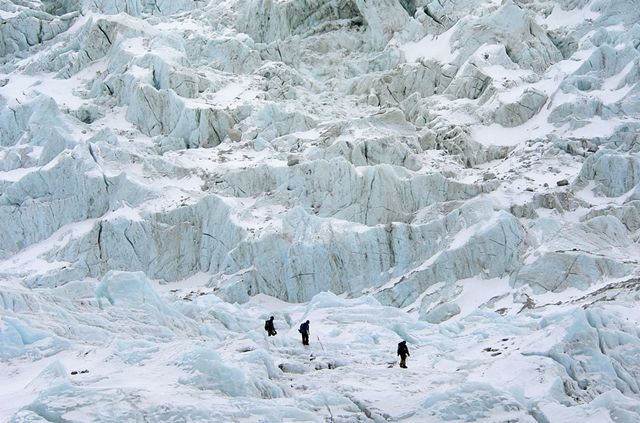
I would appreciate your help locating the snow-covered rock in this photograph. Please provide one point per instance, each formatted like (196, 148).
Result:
(526, 43)
(23, 27)
(557, 271)
(470, 253)
(66, 190)
(267, 21)
(524, 108)
(614, 173)
(469, 83)
(162, 112)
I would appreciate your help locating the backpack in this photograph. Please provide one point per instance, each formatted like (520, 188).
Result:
(402, 349)
(266, 325)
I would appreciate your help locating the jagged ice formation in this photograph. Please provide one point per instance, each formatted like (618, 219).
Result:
(462, 174)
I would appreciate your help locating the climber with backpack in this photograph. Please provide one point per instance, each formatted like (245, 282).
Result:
(403, 352)
(304, 330)
(269, 327)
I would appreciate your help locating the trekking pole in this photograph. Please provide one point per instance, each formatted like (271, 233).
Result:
(321, 344)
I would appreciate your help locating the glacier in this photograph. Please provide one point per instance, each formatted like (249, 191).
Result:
(460, 174)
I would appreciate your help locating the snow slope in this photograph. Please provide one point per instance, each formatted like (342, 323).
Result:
(461, 174)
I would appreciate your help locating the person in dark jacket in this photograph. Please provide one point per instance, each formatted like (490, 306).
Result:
(268, 326)
(403, 352)
(304, 330)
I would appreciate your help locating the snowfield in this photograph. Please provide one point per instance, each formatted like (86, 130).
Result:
(460, 174)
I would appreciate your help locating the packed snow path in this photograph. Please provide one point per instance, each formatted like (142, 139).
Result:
(462, 174)
(133, 355)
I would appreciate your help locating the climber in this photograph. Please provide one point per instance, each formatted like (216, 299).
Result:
(403, 352)
(268, 326)
(304, 330)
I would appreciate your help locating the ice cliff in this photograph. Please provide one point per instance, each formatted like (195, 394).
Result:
(462, 174)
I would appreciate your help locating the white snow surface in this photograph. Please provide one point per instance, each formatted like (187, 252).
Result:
(460, 174)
